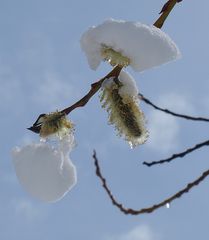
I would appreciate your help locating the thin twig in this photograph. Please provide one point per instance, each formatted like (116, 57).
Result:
(178, 155)
(187, 117)
(36, 127)
(148, 209)
(167, 8)
(94, 88)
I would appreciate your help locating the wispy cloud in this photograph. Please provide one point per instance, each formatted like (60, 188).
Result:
(8, 178)
(164, 132)
(176, 102)
(141, 232)
(164, 129)
(10, 90)
(53, 91)
(26, 210)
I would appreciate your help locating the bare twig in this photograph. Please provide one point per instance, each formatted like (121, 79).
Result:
(187, 117)
(178, 155)
(94, 88)
(83, 101)
(148, 209)
(167, 8)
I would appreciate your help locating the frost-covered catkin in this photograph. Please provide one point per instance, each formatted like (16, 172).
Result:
(120, 98)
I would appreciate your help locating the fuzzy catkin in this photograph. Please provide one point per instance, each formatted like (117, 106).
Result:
(124, 113)
(55, 123)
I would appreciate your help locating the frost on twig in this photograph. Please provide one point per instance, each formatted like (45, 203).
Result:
(150, 209)
(178, 155)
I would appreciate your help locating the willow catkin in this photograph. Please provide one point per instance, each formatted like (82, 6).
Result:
(55, 123)
(123, 110)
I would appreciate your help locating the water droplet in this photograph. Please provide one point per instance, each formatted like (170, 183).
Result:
(43, 140)
(167, 205)
(131, 145)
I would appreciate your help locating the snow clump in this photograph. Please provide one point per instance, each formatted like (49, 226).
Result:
(45, 171)
(128, 43)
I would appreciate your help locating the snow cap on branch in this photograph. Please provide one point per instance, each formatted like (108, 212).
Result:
(120, 98)
(128, 43)
(45, 171)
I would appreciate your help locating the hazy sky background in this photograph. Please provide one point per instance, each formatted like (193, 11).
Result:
(42, 68)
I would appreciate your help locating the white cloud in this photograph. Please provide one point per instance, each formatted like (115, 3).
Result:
(10, 90)
(52, 91)
(8, 178)
(176, 102)
(164, 129)
(203, 105)
(141, 232)
(25, 209)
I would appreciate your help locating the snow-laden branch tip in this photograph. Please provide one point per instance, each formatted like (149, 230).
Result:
(128, 43)
(45, 171)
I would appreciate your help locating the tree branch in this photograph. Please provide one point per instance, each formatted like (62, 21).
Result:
(178, 155)
(94, 88)
(114, 73)
(187, 117)
(167, 8)
(36, 127)
(148, 209)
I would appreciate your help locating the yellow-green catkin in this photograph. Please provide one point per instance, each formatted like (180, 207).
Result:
(114, 57)
(124, 113)
(55, 123)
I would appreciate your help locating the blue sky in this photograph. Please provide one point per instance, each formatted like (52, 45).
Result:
(42, 68)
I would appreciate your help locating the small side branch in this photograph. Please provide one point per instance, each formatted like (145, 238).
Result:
(36, 127)
(187, 117)
(94, 88)
(148, 209)
(167, 8)
(178, 155)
